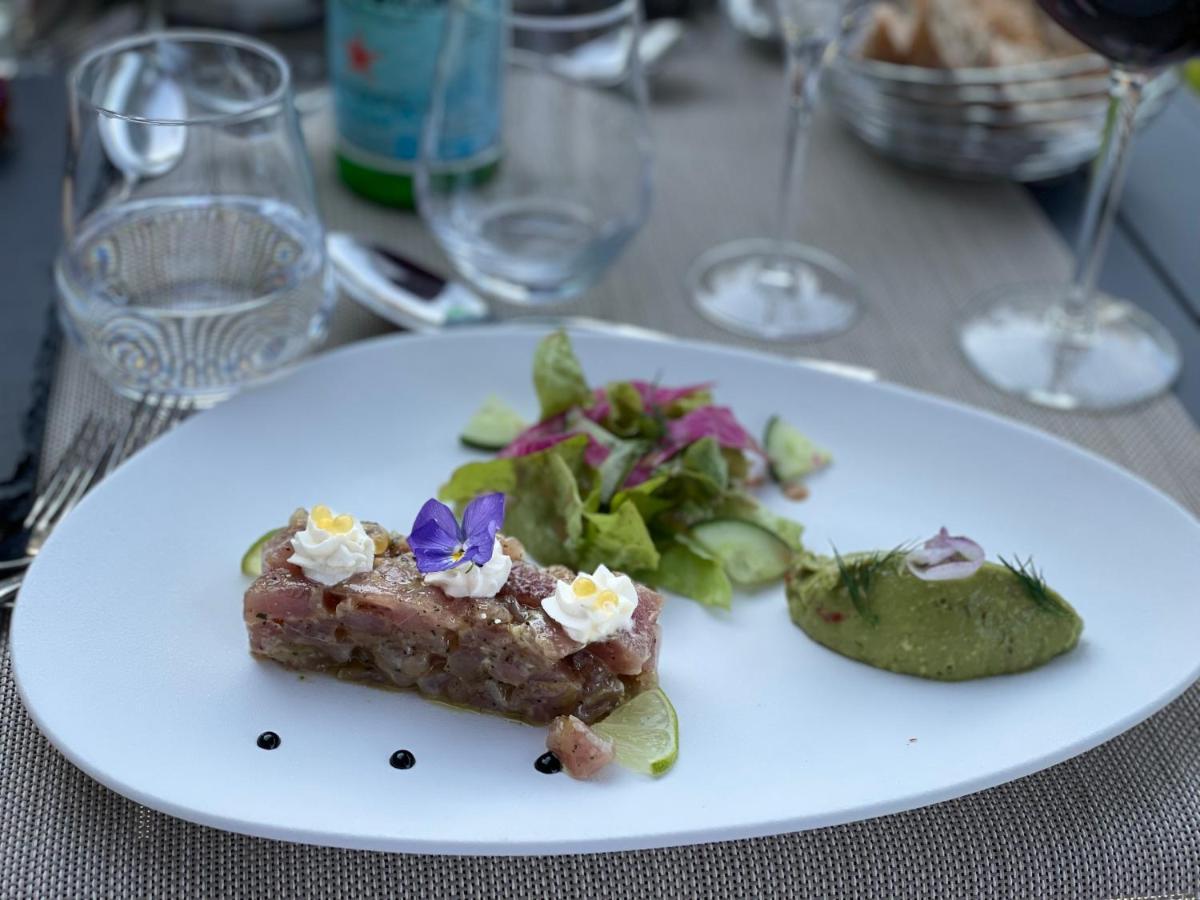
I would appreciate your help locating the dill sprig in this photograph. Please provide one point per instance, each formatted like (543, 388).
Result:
(1033, 582)
(857, 576)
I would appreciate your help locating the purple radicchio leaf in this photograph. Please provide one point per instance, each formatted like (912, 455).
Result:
(553, 431)
(538, 437)
(717, 422)
(654, 396)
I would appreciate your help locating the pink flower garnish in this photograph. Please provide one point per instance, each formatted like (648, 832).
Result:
(945, 557)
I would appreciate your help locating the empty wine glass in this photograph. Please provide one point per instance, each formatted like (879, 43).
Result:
(193, 258)
(562, 174)
(774, 288)
(1066, 346)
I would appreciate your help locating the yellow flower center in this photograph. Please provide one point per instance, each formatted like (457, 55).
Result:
(589, 593)
(606, 601)
(324, 519)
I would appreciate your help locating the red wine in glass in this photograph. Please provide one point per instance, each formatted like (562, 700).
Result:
(1140, 34)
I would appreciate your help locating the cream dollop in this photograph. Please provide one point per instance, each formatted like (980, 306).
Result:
(473, 580)
(593, 607)
(331, 547)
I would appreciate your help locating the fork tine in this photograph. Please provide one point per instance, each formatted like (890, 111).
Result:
(173, 413)
(163, 414)
(83, 476)
(88, 478)
(97, 448)
(131, 433)
(9, 587)
(65, 468)
(53, 496)
(181, 410)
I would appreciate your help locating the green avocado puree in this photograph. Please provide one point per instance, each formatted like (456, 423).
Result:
(986, 624)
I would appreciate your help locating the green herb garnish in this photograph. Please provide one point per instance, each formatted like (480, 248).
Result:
(858, 574)
(1033, 583)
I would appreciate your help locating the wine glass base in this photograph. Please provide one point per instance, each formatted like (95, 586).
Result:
(1017, 343)
(774, 291)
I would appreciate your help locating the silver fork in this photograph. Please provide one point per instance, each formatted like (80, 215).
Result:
(98, 447)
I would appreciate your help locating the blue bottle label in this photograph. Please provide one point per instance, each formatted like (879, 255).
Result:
(383, 60)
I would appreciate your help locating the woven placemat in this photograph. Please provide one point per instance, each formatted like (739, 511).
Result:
(1119, 821)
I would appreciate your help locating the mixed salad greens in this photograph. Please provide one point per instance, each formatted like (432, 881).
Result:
(649, 480)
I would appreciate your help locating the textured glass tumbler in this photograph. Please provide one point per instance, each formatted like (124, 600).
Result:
(194, 258)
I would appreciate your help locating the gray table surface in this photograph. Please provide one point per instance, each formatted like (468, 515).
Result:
(1118, 821)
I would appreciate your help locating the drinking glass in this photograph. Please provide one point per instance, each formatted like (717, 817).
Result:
(1066, 346)
(194, 258)
(774, 288)
(565, 181)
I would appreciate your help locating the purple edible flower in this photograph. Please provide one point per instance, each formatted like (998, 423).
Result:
(439, 542)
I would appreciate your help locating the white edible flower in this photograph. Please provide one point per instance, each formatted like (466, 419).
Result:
(474, 580)
(331, 547)
(593, 607)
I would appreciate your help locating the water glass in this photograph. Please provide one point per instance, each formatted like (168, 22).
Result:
(568, 180)
(194, 258)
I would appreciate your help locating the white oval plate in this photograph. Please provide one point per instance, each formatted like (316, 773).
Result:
(130, 653)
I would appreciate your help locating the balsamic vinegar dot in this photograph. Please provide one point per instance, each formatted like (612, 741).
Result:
(548, 764)
(269, 740)
(402, 759)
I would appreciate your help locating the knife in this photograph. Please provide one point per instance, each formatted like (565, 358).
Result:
(400, 290)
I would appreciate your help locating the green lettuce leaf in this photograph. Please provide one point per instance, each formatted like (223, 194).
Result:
(558, 377)
(737, 462)
(644, 497)
(619, 540)
(545, 511)
(686, 572)
(687, 403)
(704, 458)
(625, 411)
(616, 468)
(543, 507)
(691, 487)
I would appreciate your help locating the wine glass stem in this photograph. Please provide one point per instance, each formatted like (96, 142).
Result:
(803, 78)
(1104, 193)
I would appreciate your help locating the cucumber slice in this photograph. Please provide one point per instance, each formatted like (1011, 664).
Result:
(494, 426)
(790, 455)
(252, 558)
(749, 553)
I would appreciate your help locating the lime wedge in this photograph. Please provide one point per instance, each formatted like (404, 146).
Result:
(252, 558)
(644, 732)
